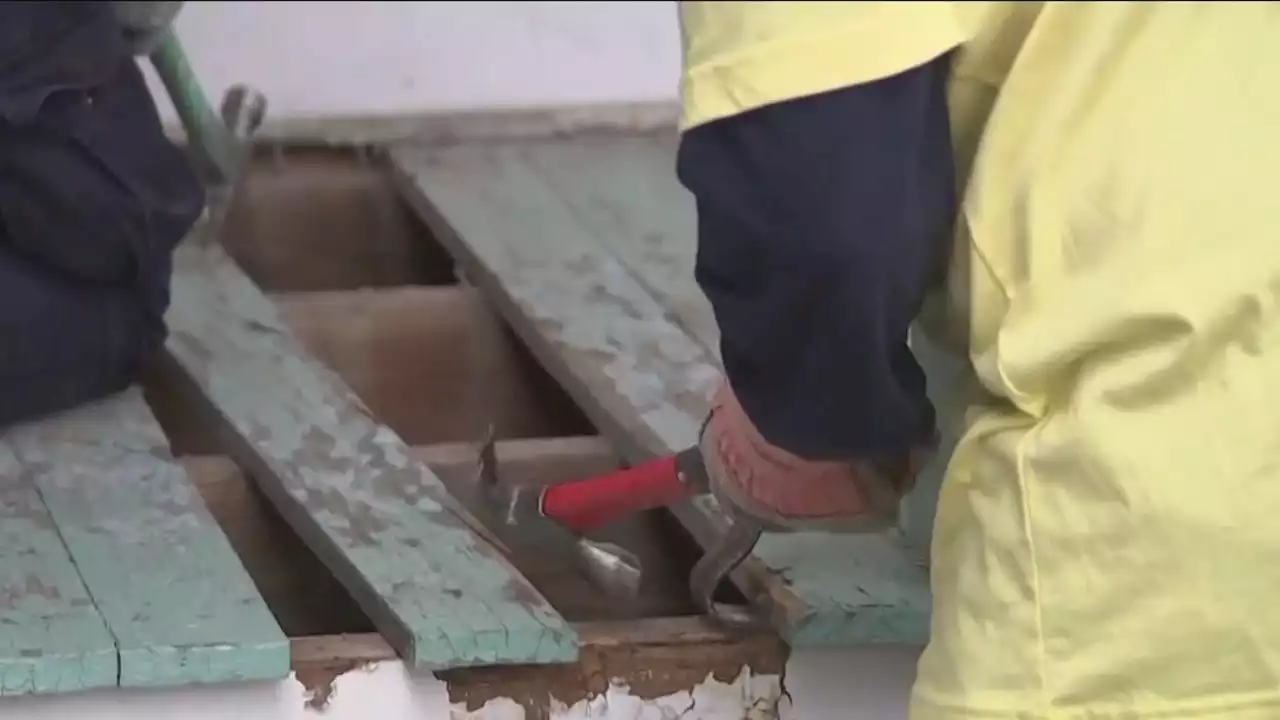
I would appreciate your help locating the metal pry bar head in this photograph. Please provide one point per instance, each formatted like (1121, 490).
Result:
(515, 515)
(733, 547)
(715, 567)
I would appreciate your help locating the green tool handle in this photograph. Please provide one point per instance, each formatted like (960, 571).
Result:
(207, 136)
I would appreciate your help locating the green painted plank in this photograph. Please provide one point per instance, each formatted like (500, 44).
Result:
(622, 191)
(52, 639)
(179, 604)
(641, 378)
(382, 522)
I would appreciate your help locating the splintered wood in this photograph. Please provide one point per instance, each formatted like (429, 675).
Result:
(586, 245)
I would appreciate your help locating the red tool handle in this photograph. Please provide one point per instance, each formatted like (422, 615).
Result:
(581, 505)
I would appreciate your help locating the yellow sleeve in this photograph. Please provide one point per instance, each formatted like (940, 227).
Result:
(739, 56)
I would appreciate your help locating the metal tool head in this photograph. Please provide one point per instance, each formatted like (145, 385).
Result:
(515, 515)
(715, 567)
(733, 547)
(693, 471)
(610, 567)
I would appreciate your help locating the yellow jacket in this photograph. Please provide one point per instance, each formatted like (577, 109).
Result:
(1107, 542)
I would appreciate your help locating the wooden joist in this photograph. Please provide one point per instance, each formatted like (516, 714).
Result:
(114, 573)
(585, 244)
(380, 520)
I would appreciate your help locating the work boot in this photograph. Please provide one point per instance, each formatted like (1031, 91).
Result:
(787, 492)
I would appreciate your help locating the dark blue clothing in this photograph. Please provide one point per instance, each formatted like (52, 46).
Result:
(93, 200)
(822, 223)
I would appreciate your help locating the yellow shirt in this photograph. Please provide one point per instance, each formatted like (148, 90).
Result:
(1107, 542)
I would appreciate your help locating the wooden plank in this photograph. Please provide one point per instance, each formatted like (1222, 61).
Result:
(180, 606)
(621, 190)
(378, 518)
(52, 639)
(641, 379)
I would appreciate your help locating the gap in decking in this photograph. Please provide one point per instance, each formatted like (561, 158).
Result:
(424, 365)
(301, 593)
(410, 354)
(327, 218)
(312, 224)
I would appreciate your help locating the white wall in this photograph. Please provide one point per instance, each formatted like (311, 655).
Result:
(355, 58)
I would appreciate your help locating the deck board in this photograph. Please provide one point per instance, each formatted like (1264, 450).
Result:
(621, 190)
(52, 638)
(380, 520)
(599, 330)
(174, 595)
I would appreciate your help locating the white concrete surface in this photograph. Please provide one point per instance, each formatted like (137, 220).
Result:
(863, 685)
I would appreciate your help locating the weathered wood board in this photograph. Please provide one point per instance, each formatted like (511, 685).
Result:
(379, 519)
(627, 360)
(52, 638)
(621, 190)
(627, 669)
(177, 601)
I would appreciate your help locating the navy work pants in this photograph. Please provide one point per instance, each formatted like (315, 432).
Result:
(93, 200)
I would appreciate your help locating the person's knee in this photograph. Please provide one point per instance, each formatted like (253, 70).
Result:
(142, 332)
(65, 342)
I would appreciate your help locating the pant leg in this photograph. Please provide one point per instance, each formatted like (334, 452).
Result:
(89, 184)
(93, 200)
(64, 343)
(822, 223)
